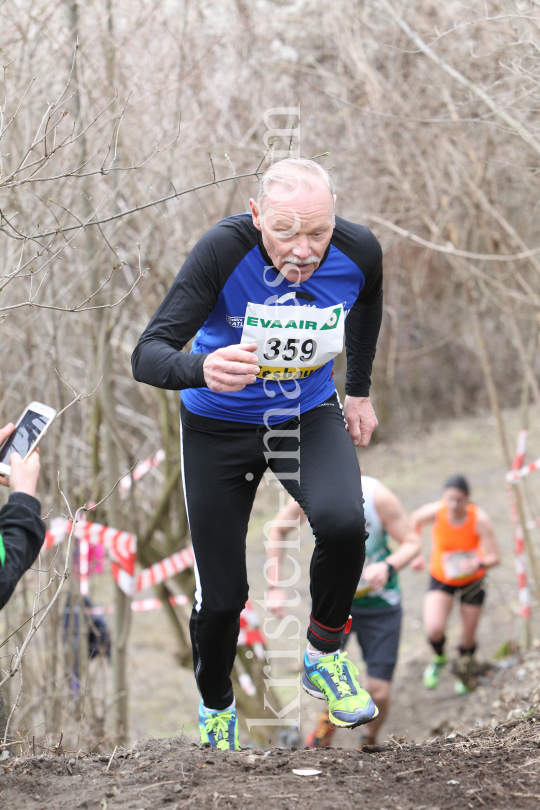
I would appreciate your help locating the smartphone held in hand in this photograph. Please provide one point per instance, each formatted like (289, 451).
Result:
(28, 432)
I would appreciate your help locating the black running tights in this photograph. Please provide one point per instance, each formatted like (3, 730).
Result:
(223, 463)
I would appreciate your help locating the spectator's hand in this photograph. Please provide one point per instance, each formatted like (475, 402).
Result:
(230, 369)
(376, 574)
(4, 433)
(360, 419)
(419, 563)
(24, 474)
(277, 595)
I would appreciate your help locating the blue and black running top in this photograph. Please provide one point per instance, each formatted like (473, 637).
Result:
(229, 268)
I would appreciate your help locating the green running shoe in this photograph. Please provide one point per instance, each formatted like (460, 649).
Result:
(220, 729)
(332, 678)
(432, 672)
(460, 688)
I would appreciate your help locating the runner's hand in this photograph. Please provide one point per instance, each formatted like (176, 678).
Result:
(418, 564)
(230, 369)
(4, 433)
(376, 574)
(360, 418)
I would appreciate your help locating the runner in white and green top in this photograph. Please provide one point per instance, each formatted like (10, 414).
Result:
(377, 550)
(376, 609)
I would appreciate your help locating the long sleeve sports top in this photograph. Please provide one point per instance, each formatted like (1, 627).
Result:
(22, 533)
(228, 270)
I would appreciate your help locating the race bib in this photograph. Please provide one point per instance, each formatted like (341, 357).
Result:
(293, 342)
(460, 564)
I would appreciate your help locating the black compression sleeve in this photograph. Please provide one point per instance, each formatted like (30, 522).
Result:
(22, 532)
(361, 332)
(158, 358)
(364, 319)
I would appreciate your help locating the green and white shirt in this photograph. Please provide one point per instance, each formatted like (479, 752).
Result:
(376, 551)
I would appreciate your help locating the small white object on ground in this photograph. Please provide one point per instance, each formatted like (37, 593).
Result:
(305, 772)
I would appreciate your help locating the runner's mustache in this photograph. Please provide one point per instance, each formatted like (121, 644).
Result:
(294, 260)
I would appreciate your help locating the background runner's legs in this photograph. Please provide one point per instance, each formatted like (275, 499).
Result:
(217, 456)
(470, 616)
(329, 489)
(437, 609)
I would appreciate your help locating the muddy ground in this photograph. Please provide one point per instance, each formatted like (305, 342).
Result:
(491, 761)
(486, 769)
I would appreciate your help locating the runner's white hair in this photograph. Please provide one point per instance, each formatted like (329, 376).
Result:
(290, 173)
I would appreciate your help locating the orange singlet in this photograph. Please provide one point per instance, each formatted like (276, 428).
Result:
(452, 545)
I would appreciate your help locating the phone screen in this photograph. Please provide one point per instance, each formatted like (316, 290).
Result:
(24, 435)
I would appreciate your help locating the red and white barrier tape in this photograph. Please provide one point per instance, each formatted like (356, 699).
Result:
(122, 550)
(121, 546)
(249, 635)
(140, 605)
(515, 474)
(519, 543)
(160, 571)
(141, 469)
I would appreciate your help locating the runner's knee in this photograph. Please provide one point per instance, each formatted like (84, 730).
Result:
(345, 528)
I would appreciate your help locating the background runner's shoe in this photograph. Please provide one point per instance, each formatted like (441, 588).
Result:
(432, 672)
(322, 735)
(332, 678)
(460, 688)
(220, 729)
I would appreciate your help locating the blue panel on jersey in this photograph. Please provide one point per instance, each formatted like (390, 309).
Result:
(337, 281)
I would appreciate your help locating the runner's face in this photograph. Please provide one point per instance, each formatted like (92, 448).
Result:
(296, 227)
(457, 503)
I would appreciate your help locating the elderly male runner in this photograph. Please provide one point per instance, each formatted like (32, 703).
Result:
(270, 297)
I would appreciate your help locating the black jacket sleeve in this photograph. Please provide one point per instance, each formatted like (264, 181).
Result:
(158, 358)
(364, 319)
(22, 533)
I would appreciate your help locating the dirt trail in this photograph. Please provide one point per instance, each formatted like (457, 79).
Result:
(496, 765)
(486, 769)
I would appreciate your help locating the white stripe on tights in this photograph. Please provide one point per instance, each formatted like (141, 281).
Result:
(198, 589)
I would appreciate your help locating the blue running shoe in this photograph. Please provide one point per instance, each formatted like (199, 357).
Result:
(332, 678)
(220, 729)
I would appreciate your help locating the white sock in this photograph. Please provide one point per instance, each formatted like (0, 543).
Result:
(215, 711)
(315, 655)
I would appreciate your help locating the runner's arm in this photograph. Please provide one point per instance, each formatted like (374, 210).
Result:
(361, 332)
(364, 319)
(423, 516)
(398, 525)
(291, 517)
(486, 531)
(158, 358)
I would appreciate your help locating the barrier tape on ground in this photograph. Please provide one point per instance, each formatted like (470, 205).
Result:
(141, 469)
(519, 543)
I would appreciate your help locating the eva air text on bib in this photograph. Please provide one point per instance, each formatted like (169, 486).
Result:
(294, 341)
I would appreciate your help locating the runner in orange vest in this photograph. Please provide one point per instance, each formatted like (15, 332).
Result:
(463, 547)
